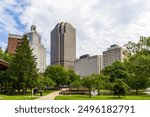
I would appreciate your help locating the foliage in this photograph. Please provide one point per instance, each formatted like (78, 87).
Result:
(23, 72)
(139, 68)
(5, 56)
(43, 82)
(120, 88)
(88, 82)
(76, 84)
(72, 76)
(100, 81)
(138, 63)
(60, 75)
(142, 47)
(116, 71)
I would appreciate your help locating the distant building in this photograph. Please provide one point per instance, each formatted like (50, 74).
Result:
(3, 65)
(115, 52)
(63, 45)
(13, 42)
(88, 65)
(38, 49)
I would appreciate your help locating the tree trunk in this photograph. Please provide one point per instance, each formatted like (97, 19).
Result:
(137, 93)
(69, 88)
(23, 91)
(119, 95)
(1, 88)
(89, 92)
(18, 91)
(31, 91)
(98, 91)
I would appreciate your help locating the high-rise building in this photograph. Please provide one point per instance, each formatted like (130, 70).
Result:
(13, 42)
(63, 45)
(38, 49)
(115, 52)
(88, 65)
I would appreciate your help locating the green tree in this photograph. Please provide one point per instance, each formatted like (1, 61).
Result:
(76, 84)
(139, 68)
(5, 56)
(116, 71)
(142, 47)
(138, 63)
(88, 82)
(100, 81)
(120, 87)
(3, 81)
(23, 72)
(58, 74)
(72, 77)
(43, 82)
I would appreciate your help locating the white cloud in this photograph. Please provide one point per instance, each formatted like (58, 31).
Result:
(8, 10)
(3, 46)
(99, 23)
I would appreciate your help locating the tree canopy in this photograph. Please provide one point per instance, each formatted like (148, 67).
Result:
(22, 70)
(61, 75)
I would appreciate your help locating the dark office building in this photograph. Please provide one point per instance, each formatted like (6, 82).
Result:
(63, 45)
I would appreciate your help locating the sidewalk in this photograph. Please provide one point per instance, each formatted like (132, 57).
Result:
(50, 96)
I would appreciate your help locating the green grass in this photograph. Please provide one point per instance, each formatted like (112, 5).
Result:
(17, 97)
(24, 97)
(85, 97)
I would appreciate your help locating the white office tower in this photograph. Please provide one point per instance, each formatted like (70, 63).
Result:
(38, 49)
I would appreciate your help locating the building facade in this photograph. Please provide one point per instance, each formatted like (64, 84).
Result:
(38, 49)
(13, 42)
(113, 53)
(63, 45)
(88, 65)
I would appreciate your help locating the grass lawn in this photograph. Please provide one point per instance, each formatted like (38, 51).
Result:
(111, 97)
(17, 97)
(24, 97)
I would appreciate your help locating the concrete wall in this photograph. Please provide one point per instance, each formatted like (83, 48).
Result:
(112, 54)
(88, 65)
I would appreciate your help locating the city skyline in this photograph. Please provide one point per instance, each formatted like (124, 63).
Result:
(99, 22)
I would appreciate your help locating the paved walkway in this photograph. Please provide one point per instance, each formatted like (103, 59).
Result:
(50, 96)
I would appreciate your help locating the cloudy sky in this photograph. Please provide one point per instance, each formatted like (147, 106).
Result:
(99, 23)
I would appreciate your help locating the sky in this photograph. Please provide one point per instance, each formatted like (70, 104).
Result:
(98, 23)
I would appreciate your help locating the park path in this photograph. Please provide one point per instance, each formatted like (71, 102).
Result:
(50, 96)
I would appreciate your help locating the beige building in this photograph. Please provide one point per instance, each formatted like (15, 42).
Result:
(115, 52)
(63, 45)
(88, 65)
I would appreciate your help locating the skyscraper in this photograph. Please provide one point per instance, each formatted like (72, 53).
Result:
(112, 54)
(63, 45)
(38, 49)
